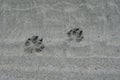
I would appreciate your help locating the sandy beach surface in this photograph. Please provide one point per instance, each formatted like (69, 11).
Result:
(96, 57)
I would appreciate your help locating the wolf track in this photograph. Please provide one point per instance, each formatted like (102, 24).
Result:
(75, 34)
(34, 44)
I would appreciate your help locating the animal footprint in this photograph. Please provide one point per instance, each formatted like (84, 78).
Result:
(34, 44)
(75, 34)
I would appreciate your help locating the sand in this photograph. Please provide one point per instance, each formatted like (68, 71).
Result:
(96, 57)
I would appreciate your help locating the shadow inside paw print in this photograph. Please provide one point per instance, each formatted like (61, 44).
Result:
(39, 49)
(79, 39)
(34, 39)
(34, 44)
(75, 34)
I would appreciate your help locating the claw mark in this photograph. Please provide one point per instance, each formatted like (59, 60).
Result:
(79, 34)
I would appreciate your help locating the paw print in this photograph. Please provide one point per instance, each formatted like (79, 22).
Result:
(34, 44)
(75, 34)
(31, 41)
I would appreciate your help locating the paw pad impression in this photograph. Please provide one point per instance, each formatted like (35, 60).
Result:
(34, 44)
(75, 34)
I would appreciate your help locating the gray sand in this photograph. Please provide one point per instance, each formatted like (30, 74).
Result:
(96, 57)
